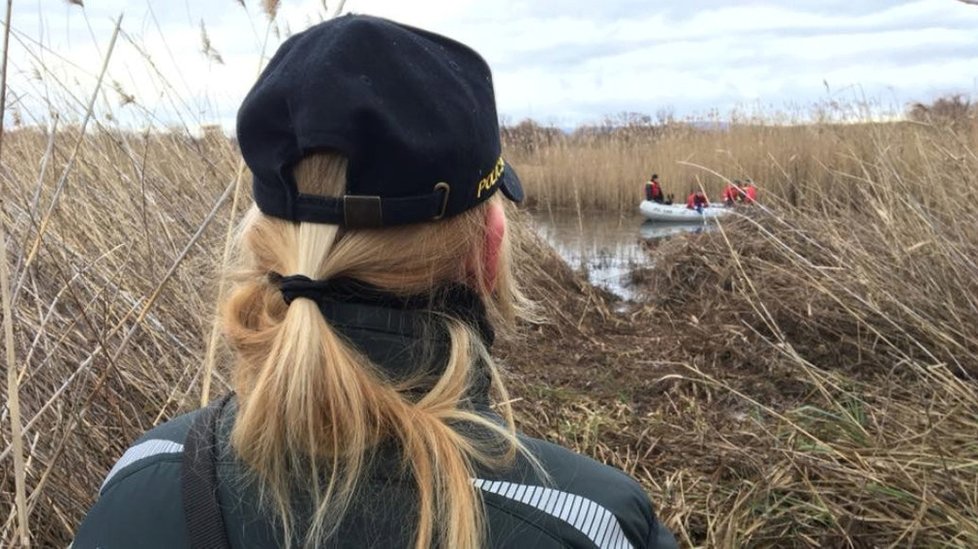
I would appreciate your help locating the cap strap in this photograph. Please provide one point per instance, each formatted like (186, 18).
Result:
(364, 212)
(367, 212)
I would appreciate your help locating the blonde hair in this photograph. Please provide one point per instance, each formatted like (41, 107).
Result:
(309, 402)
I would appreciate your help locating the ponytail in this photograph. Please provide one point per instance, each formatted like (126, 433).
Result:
(309, 402)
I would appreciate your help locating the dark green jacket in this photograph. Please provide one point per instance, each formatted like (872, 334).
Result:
(583, 503)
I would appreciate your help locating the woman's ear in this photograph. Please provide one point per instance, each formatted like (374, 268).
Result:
(493, 244)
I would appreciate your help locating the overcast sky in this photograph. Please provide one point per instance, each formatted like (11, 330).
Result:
(562, 62)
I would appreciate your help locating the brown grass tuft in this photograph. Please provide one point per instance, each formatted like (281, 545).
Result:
(270, 7)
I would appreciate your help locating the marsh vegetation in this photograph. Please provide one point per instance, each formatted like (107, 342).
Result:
(803, 376)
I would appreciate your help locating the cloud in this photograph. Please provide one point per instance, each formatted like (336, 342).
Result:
(732, 54)
(566, 62)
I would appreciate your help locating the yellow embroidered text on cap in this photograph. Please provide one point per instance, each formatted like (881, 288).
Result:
(489, 181)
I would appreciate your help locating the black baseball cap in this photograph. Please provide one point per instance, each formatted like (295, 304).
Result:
(414, 113)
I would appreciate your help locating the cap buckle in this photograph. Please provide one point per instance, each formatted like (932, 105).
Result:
(444, 201)
(362, 212)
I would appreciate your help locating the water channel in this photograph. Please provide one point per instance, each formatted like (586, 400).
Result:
(605, 246)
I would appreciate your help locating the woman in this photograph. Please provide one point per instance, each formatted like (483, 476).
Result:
(372, 273)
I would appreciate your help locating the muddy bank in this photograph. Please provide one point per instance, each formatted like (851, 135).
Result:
(756, 408)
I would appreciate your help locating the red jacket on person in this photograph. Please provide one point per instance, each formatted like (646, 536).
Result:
(653, 191)
(697, 199)
(750, 193)
(731, 193)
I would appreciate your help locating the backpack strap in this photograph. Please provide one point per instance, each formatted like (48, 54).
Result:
(198, 481)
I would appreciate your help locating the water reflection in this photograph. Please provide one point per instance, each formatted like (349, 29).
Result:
(652, 230)
(606, 247)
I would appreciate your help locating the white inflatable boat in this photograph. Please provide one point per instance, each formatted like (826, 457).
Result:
(679, 213)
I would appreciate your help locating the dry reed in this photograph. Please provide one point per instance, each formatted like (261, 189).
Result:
(806, 375)
(13, 393)
(830, 406)
(803, 377)
(604, 168)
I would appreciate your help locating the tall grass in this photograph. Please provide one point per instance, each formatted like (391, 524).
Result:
(110, 315)
(604, 168)
(802, 377)
(805, 375)
(846, 343)
(863, 315)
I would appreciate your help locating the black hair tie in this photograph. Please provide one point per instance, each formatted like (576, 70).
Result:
(339, 289)
(296, 286)
(456, 300)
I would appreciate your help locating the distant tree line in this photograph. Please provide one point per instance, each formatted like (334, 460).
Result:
(950, 110)
(528, 136)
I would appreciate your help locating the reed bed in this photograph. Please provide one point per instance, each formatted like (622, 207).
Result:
(111, 301)
(604, 167)
(804, 377)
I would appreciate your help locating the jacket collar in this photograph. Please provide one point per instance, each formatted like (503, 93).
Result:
(405, 336)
